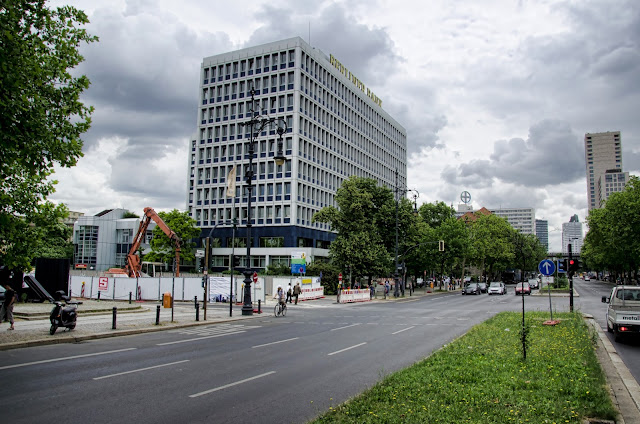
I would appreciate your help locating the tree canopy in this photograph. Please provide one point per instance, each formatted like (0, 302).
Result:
(41, 118)
(163, 249)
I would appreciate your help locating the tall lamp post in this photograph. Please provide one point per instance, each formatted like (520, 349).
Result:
(256, 125)
(398, 190)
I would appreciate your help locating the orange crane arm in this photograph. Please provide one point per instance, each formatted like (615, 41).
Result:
(134, 264)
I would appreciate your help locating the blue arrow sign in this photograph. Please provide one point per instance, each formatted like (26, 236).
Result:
(546, 267)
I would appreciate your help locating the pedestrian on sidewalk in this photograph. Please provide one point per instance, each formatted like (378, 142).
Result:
(289, 294)
(296, 292)
(387, 287)
(6, 311)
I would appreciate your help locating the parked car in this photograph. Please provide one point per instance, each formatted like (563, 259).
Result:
(534, 283)
(471, 288)
(2, 290)
(483, 287)
(497, 287)
(523, 288)
(587, 278)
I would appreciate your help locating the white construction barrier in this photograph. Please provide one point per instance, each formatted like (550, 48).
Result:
(309, 294)
(350, 296)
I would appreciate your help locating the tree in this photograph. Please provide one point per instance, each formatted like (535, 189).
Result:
(41, 116)
(53, 235)
(491, 242)
(163, 249)
(434, 214)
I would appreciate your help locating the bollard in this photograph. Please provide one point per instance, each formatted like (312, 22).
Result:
(115, 312)
(259, 310)
(98, 296)
(197, 311)
(129, 298)
(158, 315)
(195, 302)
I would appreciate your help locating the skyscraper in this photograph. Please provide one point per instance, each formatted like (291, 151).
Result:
(542, 232)
(603, 152)
(336, 128)
(572, 234)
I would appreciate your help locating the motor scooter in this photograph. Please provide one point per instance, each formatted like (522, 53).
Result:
(63, 316)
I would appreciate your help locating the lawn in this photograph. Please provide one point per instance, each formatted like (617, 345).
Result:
(483, 378)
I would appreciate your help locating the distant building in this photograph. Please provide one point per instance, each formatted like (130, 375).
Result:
(572, 234)
(603, 152)
(103, 241)
(521, 219)
(612, 181)
(542, 232)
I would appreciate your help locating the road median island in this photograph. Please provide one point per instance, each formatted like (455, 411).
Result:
(482, 377)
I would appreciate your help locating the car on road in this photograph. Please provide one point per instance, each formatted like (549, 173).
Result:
(587, 278)
(483, 287)
(623, 311)
(534, 283)
(523, 288)
(497, 287)
(471, 288)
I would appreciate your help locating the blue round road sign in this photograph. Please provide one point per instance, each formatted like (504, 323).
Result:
(546, 267)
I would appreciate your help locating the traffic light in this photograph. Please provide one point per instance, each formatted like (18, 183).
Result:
(562, 265)
(236, 261)
(574, 265)
(204, 281)
(441, 246)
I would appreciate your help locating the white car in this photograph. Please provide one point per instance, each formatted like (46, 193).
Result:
(534, 283)
(587, 278)
(497, 287)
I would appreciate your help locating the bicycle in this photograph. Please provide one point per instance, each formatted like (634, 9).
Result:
(280, 310)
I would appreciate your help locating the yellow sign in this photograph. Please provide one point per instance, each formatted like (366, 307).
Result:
(344, 71)
(306, 281)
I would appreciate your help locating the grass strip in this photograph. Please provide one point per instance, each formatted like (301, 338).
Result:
(482, 378)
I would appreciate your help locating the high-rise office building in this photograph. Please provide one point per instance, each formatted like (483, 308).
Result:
(542, 232)
(572, 235)
(603, 152)
(522, 219)
(336, 128)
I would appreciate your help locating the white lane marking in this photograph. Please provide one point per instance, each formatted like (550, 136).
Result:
(198, 338)
(345, 349)
(347, 326)
(141, 369)
(6, 367)
(206, 392)
(404, 329)
(272, 343)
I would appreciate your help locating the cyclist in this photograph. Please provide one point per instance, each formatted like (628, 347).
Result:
(280, 295)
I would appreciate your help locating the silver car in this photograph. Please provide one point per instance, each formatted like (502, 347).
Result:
(497, 287)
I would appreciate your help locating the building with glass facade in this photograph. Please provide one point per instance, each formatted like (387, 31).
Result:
(603, 152)
(336, 128)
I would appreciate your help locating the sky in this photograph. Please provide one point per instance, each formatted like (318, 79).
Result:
(495, 95)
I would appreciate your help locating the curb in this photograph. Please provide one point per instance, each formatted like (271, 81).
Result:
(114, 333)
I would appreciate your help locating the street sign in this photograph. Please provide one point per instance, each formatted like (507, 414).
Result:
(200, 253)
(546, 267)
(255, 277)
(103, 284)
(340, 277)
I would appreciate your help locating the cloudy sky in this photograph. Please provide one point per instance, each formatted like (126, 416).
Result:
(495, 95)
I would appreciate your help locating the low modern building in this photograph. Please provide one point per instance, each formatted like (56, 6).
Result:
(336, 127)
(522, 219)
(102, 241)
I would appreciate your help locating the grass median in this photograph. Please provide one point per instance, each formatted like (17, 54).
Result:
(483, 378)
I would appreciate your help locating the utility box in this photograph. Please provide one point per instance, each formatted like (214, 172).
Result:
(166, 300)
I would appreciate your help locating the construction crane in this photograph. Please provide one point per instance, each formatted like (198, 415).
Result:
(133, 267)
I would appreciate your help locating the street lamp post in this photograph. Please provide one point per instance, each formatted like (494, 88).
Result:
(396, 277)
(256, 125)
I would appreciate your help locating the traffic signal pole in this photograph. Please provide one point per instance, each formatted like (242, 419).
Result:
(570, 274)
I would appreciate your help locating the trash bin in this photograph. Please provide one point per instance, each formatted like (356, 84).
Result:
(166, 300)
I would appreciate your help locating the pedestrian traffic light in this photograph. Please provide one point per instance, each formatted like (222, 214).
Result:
(204, 281)
(441, 246)
(236, 261)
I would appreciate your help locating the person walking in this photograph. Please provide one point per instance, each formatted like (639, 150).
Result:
(296, 292)
(387, 287)
(289, 294)
(6, 311)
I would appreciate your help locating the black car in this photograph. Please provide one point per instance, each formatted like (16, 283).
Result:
(2, 290)
(483, 287)
(472, 288)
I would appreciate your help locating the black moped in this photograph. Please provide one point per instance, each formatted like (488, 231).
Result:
(63, 316)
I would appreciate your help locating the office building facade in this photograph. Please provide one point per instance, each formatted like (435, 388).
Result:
(603, 152)
(572, 235)
(522, 219)
(542, 232)
(336, 128)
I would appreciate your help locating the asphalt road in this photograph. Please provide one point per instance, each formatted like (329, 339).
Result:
(265, 369)
(590, 301)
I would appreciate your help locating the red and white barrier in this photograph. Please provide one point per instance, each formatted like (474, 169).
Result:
(309, 294)
(359, 295)
(82, 290)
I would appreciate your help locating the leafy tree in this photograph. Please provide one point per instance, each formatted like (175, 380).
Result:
(277, 269)
(163, 249)
(434, 214)
(41, 116)
(329, 275)
(129, 214)
(53, 234)
(528, 252)
(491, 240)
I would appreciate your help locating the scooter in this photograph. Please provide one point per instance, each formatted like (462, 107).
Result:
(63, 316)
